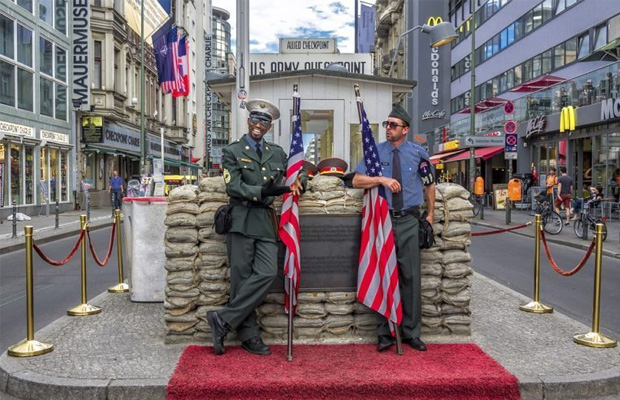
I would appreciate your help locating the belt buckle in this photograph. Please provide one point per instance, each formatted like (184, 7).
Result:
(397, 214)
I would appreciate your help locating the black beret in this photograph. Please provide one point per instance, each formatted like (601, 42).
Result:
(399, 112)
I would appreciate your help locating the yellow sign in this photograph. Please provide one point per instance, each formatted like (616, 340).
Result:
(432, 21)
(451, 145)
(568, 119)
(92, 121)
(439, 166)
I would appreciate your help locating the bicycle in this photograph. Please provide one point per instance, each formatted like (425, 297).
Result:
(551, 220)
(477, 203)
(586, 218)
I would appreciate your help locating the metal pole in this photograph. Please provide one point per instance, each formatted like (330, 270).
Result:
(122, 286)
(14, 219)
(536, 306)
(29, 346)
(291, 298)
(594, 338)
(472, 96)
(83, 308)
(56, 210)
(481, 207)
(142, 91)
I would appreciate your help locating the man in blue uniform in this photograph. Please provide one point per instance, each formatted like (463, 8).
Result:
(253, 170)
(408, 180)
(116, 188)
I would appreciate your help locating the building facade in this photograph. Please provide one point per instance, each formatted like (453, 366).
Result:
(36, 146)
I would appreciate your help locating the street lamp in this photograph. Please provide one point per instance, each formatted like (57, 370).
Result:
(442, 33)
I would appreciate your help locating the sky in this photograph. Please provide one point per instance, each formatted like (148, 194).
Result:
(271, 20)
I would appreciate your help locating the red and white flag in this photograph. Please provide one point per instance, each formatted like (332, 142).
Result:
(182, 68)
(289, 220)
(377, 277)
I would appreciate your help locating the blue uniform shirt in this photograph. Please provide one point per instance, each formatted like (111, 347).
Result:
(116, 183)
(410, 156)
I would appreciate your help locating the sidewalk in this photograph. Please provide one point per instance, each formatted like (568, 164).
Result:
(121, 354)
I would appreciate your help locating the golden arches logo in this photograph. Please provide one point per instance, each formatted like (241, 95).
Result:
(432, 21)
(568, 119)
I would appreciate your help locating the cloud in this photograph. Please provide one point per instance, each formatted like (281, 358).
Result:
(272, 20)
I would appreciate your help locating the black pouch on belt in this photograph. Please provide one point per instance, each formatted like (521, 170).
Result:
(223, 219)
(426, 235)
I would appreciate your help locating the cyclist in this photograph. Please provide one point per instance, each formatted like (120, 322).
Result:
(593, 200)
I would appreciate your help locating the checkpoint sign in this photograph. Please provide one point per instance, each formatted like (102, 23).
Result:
(511, 141)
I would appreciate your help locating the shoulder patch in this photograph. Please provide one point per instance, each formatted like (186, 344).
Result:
(226, 175)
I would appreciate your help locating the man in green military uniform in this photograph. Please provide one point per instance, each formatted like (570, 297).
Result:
(253, 170)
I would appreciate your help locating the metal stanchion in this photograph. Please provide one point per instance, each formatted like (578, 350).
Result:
(88, 206)
(536, 306)
(594, 338)
(122, 286)
(84, 308)
(482, 208)
(291, 297)
(29, 347)
(56, 226)
(508, 211)
(14, 219)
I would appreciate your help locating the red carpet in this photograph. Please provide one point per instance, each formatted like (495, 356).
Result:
(445, 371)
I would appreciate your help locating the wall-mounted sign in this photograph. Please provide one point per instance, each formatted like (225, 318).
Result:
(56, 137)
(536, 125)
(435, 114)
(16, 130)
(568, 119)
(80, 52)
(610, 108)
(356, 63)
(483, 141)
(296, 46)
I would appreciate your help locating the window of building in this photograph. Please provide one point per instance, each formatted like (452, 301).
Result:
(16, 172)
(29, 174)
(547, 10)
(546, 62)
(46, 56)
(25, 4)
(46, 11)
(537, 16)
(528, 22)
(601, 36)
(46, 97)
(25, 84)
(584, 45)
(61, 64)
(6, 36)
(97, 64)
(7, 84)
(117, 70)
(24, 45)
(559, 55)
(61, 102)
(60, 17)
(571, 50)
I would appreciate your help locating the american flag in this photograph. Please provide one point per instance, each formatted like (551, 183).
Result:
(377, 277)
(172, 78)
(289, 220)
(183, 67)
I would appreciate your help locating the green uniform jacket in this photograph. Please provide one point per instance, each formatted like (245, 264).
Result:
(245, 174)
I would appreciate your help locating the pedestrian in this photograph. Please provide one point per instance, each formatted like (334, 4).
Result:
(408, 179)
(595, 198)
(552, 183)
(565, 190)
(253, 171)
(116, 188)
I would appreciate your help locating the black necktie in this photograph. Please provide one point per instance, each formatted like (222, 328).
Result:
(259, 151)
(397, 198)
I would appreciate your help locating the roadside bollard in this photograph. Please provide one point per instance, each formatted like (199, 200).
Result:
(56, 225)
(594, 338)
(88, 207)
(508, 210)
(29, 347)
(122, 286)
(14, 219)
(84, 308)
(536, 306)
(481, 207)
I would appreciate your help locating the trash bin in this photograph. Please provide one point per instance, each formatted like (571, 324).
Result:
(144, 232)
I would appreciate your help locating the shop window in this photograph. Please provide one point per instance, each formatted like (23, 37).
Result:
(3, 179)
(15, 168)
(29, 174)
(64, 177)
(54, 175)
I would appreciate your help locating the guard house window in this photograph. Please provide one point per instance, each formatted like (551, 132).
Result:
(97, 65)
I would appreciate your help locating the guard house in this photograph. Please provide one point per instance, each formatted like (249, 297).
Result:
(330, 120)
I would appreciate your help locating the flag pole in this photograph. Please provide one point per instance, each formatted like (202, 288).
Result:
(291, 287)
(393, 327)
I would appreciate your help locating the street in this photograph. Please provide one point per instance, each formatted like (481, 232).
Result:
(509, 259)
(56, 288)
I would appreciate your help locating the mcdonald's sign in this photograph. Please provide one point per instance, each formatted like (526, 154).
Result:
(432, 21)
(568, 119)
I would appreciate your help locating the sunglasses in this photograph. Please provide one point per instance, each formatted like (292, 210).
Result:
(392, 125)
(263, 121)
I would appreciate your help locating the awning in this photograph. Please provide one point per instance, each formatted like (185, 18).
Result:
(538, 83)
(485, 105)
(481, 152)
(436, 158)
(97, 149)
(609, 52)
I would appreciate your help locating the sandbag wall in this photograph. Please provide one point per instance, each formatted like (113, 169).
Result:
(198, 273)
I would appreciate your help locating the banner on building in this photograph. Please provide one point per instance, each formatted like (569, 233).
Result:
(80, 52)
(366, 29)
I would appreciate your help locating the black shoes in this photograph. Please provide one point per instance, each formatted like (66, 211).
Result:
(218, 331)
(256, 346)
(384, 343)
(416, 344)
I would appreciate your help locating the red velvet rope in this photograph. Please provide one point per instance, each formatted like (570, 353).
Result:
(554, 265)
(499, 230)
(92, 249)
(66, 260)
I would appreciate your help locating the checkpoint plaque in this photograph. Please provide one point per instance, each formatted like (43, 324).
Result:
(330, 246)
